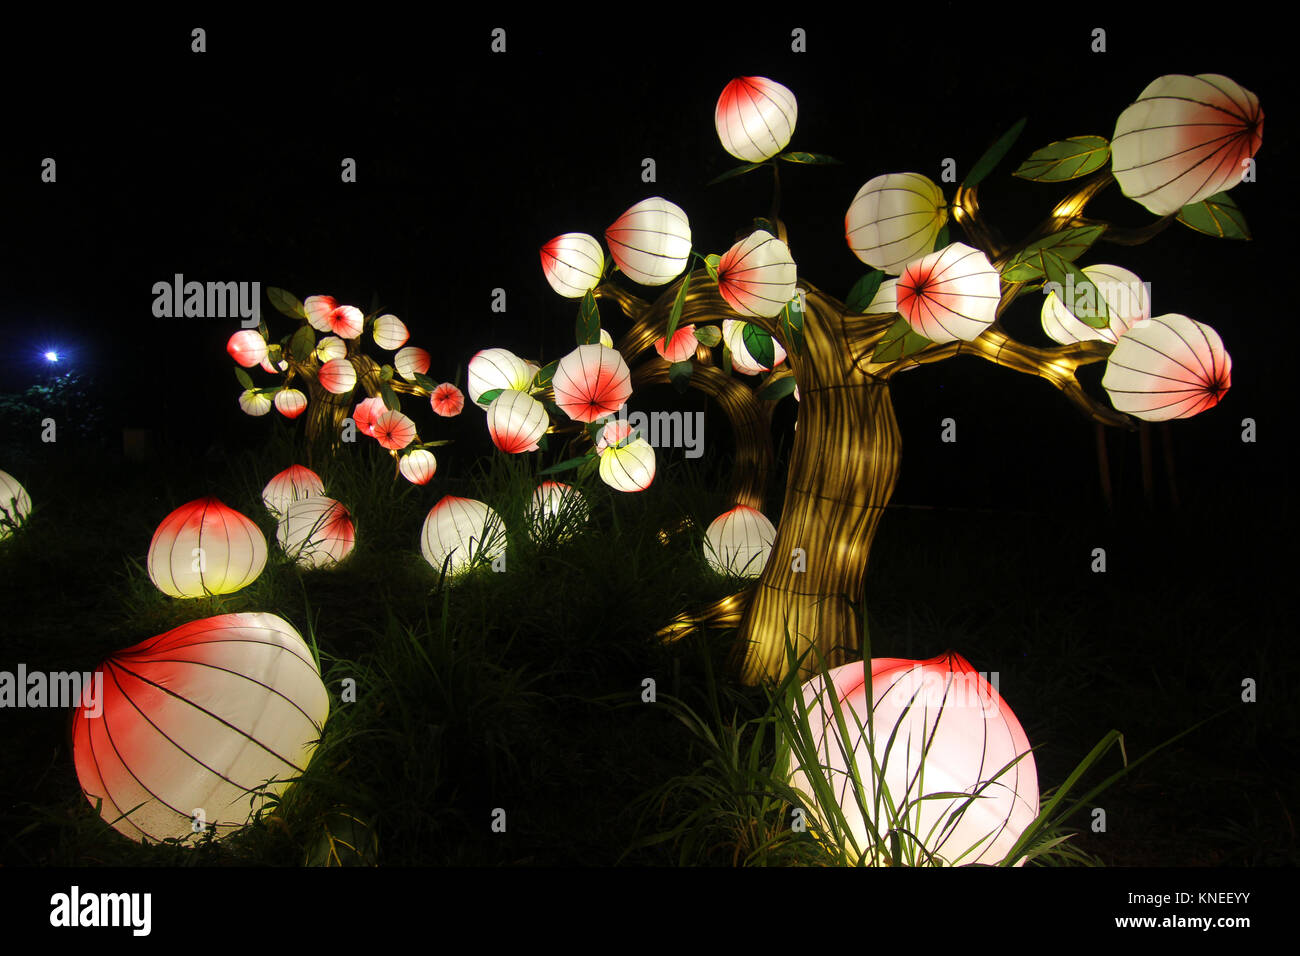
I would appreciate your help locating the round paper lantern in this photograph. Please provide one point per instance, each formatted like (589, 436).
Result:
(411, 361)
(331, 347)
(367, 412)
(294, 483)
(681, 348)
(1169, 367)
(1185, 139)
(950, 294)
(205, 547)
(253, 402)
(447, 400)
(755, 118)
(591, 382)
(939, 727)
(274, 369)
(248, 348)
(1126, 300)
(192, 723)
(319, 308)
(290, 402)
(461, 532)
(573, 264)
(491, 369)
(556, 510)
(739, 542)
(613, 435)
(651, 242)
(15, 506)
(630, 468)
(733, 333)
(337, 376)
(347, 321)
(390, 332)
(316, 532)
(894, 220)
(393, 430)
(757, 275)
(516, 421)
(418, 466)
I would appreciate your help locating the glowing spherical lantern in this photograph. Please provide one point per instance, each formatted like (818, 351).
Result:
(447, 400)
(681, 348)
(591, 382)
(248, 348)
(491, 369)
(331, 347)
(192, 723)
(316, 532)
(1126, 298)
(573, 264)
(390, 332)
(1185, 139)
(319, 308)
(651, 242)
(629, 468)
(516, 421)
(367, 412)
(755, 118)
(254, 402)
(742, 360)
(556, 510)
(292, 484)
(411, 361)
(15, 506)
(347, 321)
(337, 376)
(739, 542)
(418, 466)
(938, 728)
(205, 547)
(290, 402)
(950, 294)
(894, 220)
(757, 275)
(393, 430)
(1169, 367)
(461, 532)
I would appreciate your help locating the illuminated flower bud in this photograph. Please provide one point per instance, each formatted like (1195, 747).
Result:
(739, 542)
(1126, 300)
(651, 242)
(290, 485)
(337, 376)
(950, 294)
(418, 466)
(253, 402)
(630, 468)
(367, 412)
(894, 220)
(290, 402)
(681, 348)
(757, 275)
(591, 382)
(393, 430)
(390, 332)
(516, 421)
(742, 360)
(316, 532)
(347, 321)
(331, 347)
(755, 118)
(1169, 367)
(248, 348)
(411, 361)
(319, 309)
(447, 400)
(572, 264)
(491, 369)
(461, 532)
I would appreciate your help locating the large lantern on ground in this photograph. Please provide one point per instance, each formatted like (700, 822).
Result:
(556, 509)
(461, 532)
(203, 548)
(295, 482)
(739, 542)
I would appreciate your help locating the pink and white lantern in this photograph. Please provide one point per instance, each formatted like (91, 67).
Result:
(950, 294)
(254, 403)
(556, 509)
(1169, 367)
(393, 430)
(629, 468)
(733, 334)
(1127, 302)
(337, 376)
(681, 348)
(316, 532)
(319, 308)
(651, 242)
(755, 118)
(418, 466)
(573, 264)
(447, 400)
(290, 402)
(516, 421)
(347, 321)
(757, 275)
(591, 382)
(390, 332)
(292, 484)
(411, 361)
(247, 347)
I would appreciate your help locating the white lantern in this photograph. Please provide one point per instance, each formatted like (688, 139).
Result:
(630, 468)
(254, 403)
(290, 485)
(755, 118)
(418, 466)
(1169, 367)
(950, 294)
(248, 348)
(331, 347)
(739, 542)
(573, 264)
(516, 421)
(651, 242)
(193, 723)
(337, 376)
(757, 275)
(461, 532)
(15, 506)
(319, 308)
(290, 402)
(733, 333)
(411, 361)
(894, 220)
(316, 532)
(556, 509)
(1127, 302)
(390, 332)
(591, 382)
(1185, 139)
(203, 548)
(491, 369)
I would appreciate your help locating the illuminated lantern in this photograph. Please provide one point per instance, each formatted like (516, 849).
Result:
(491, 369)
(516, 421)
(591, 382)
(573, 264)
(681, 348)
(205, 547)
(337, 376)
(330, 348)
(192, 723)
(366, 412)
(390, 332)
(292, 484)
(742, 360)
(393, 430)
(253, 402)
(885, 300)
(755, 118)
(319, 308)
(1126, 300)
(411, 361)
(273, 369)
(1170, 367)
(614, 434)
(939, 728)
(447, 400)
(290, 402)
(418, 466)
(15, 506)
(462, 532)
(950, 294)
(347, 321)
(316, 532)
(556, 509)
(1185, 139)
(630, 468)
(651, 242)
(757, 275)
(739, 542)
(894, 219)
(248, 348)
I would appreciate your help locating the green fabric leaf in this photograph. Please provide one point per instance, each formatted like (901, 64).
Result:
(544, 375)
(759, 344)
(588, 326)
(1075, 290)
(567, 464)
(899, 342)
(774, 391)
(709, 335)
(711, 264)
(244, 378)
(286, 303)
(737, 171)
(1217, 216)
(864, 290)
(679, 373)
(993, 155)
(303, 344)
(1066, 159)
(487, 397)
(1068, 244)
(425, 382)
(676, 315)
(809, 159)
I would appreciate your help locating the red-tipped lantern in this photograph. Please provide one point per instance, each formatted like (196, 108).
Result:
(411, 361)
(516, 421)
(461, 532)
(319, 308)
(591, 382)
(573, 264)
(755, 118)
(950, 294)
(290, 402)
(630, 467)
(205, 547)
(390, 332)
(337, 376)
(418, 466)
(651, 242)
(739, 542)
(681, 348)
(393, 430)
(757, 275)
(316, 532)
(248, 348)
(290, 485)
(181, 732)
(447, 400)
(366, 412)
(1169, 367)
(347, 321)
